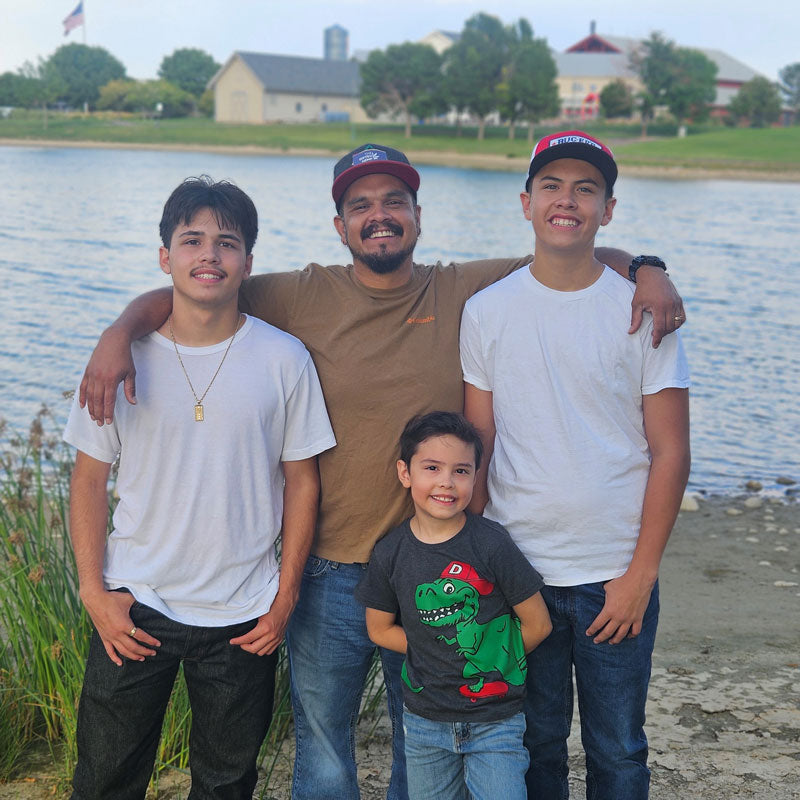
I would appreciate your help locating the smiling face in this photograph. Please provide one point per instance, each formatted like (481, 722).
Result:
(207, 262)
(567, 204)
(441, 477)
(379, 223)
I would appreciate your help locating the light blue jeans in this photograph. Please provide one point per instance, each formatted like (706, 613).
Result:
(329, 657)
(612, 682)
(457, 760)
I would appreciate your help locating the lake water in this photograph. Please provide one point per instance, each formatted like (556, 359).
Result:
(79, 238)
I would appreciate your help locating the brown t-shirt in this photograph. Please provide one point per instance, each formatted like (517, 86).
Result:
(382, 357)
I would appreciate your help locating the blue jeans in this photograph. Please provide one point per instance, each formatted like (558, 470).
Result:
(456, 760)
(329, 657)
(122, 708)
(612, 684)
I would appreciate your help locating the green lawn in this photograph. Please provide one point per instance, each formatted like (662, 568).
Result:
(755, 148)
(710, 147)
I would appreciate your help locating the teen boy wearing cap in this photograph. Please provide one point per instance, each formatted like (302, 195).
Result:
(217, 458)
(383, 332)
(590, 438)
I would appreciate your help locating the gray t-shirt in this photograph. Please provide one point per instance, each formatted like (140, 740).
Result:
(465, 660)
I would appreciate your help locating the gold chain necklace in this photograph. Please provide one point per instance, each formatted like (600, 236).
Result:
(198, 408)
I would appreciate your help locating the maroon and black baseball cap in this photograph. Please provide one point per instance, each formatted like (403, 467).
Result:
(370, 159)
(573, 144)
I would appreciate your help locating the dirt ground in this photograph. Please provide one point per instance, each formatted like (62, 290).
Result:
(723, 718)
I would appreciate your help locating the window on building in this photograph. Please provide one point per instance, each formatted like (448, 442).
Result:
(298, 107)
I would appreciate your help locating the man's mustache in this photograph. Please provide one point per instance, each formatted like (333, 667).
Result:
(397, 230)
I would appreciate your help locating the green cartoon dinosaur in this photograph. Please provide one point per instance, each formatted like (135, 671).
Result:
(454, 599)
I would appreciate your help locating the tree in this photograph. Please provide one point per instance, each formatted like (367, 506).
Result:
(646, 106)
(790, 85)
(474, 67)
(528, 90)
(83, 71)
(758, 101)
(680, 78)
(616, 99)
(16, 90)
(189, 69)
(205, 105)
(113, 96)
(695, 85)
(145, 97)
(405, 80)
(33, 85)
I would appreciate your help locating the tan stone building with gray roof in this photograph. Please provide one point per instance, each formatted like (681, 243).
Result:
(260, 87)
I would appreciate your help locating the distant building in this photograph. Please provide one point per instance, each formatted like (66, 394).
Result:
(585, 68)
(260, 87)
(336, 43)
(440, 40)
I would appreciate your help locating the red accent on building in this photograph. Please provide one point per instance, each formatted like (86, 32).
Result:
(593, 44)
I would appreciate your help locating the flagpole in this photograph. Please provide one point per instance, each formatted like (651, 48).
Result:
(84, 22)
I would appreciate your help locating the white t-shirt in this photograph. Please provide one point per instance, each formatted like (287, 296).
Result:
(571, 459)
(201, 503)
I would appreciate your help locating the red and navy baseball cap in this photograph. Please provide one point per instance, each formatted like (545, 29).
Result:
(573, 144)
(370, 159)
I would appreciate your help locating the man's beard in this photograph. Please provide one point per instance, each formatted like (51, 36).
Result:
(382, 263)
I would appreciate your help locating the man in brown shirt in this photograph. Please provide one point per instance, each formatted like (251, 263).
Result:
(383, 332)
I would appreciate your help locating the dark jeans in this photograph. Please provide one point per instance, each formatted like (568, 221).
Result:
(612, 684)
(122, 709)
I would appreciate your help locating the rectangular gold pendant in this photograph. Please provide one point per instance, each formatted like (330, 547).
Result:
(198, 412)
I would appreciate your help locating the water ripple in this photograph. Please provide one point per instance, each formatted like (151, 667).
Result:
(80, 239)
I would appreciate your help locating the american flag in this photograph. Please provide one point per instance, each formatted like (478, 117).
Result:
(75, 19)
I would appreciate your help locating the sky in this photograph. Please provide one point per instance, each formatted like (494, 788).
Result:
(140, 33)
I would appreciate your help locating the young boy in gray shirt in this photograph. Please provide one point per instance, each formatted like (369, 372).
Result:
(453, 592)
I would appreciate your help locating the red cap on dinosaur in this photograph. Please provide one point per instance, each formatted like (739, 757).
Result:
(464, 572)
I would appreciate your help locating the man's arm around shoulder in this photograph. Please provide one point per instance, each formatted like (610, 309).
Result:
(300, 502)
(654, 293)
(666, 422)
(111, 361)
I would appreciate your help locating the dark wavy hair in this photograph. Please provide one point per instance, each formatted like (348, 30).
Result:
(231, 208)
(438, 423)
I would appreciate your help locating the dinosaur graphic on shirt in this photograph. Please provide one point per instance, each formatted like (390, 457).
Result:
(453, 599)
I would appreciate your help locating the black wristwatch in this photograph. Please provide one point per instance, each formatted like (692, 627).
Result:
(640, 261)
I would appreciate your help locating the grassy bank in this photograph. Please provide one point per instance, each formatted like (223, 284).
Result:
(771, 150)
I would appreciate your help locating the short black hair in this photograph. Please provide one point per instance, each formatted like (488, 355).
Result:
(438, 423)
(231, 208)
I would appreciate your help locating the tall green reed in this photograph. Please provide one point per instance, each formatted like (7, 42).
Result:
(44, 628)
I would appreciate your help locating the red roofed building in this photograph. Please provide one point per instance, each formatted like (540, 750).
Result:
(585, 68)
